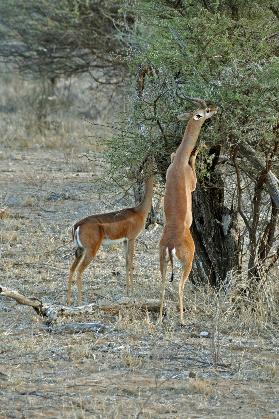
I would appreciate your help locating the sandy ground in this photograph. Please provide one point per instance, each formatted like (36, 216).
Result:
(135, 368)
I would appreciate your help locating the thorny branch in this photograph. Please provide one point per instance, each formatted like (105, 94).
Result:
(239, 194)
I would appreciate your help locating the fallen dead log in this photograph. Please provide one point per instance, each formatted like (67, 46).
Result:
(51, 312)
(22, 299)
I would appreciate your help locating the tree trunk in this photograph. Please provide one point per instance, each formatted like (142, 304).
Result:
(214, 231)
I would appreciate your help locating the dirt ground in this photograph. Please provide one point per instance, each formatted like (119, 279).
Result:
(134, 368)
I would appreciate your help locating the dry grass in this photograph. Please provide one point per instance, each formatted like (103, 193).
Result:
(4, 213)
(200, 386)
(137, 368)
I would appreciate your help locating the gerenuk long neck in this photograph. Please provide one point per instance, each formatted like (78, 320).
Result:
(189, 140)
(146, 203)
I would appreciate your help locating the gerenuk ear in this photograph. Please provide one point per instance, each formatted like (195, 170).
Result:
(184, 116)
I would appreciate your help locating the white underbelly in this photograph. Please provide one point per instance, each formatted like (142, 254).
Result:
(108, 242)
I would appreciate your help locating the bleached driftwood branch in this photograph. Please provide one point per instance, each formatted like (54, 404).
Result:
(52, 312)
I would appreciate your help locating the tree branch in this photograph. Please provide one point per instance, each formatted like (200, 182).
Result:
(52, 312)
(239, 195)
(272, 182)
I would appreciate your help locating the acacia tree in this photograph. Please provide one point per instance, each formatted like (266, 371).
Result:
(60, 39)
(226, 53)
(50, 40)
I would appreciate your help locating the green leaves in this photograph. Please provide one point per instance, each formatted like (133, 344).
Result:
(226, 53)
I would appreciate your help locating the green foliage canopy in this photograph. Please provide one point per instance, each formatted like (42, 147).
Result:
(223, 51)
(60, 39)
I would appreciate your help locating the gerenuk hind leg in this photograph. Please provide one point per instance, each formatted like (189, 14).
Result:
(78, 257)
(163, 269)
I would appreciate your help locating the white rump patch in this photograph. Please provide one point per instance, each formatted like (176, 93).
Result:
(172, 252)
(77, 239)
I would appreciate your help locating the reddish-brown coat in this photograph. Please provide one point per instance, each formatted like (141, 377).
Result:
(180, 183)
(90, 232)
(126, 223)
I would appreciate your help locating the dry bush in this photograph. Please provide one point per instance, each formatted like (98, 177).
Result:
(36, 114)
(4, 213)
